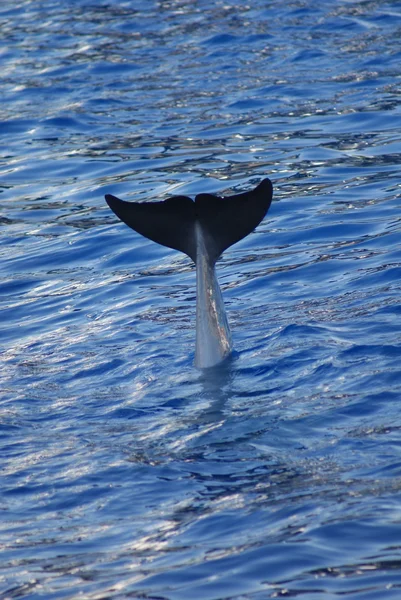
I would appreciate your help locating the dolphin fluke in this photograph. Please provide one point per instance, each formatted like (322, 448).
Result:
(172, 223)
(203, 230)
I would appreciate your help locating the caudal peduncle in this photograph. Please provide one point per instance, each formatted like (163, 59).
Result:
(213, 336)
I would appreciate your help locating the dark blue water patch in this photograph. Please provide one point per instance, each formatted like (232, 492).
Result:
(222, 38)
(59, 71)
(127, 413)
(141, 254)
(341, 25)
(362, 120)
(100, 68)
(249, 564)
(33, 322)
(370, 80)
(308, 55)
(329, 233)
(248, 104)
(105, 102)
(341, 534)
(18, 286)
(98, 370)
(24, 490)
(257, 37)
(386, 17)
(16, 126)
(388, 66)
(73, 498)
(381, 275)
(128, 26)
(392, 310)
(368, 407)
(361, 352)
(65, 123)
(305, 277)
(390, 471)
(11, 12)
(39, 94)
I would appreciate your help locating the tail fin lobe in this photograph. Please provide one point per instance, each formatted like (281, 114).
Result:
(169, 223)
(226, 221)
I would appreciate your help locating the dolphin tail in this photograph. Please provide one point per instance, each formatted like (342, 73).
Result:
(172, 223)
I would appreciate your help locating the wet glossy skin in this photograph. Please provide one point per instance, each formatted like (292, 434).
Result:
(213, 336)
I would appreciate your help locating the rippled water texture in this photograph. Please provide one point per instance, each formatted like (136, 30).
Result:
(126, 472)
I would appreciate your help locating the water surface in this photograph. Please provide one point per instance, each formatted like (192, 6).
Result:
(126, 472)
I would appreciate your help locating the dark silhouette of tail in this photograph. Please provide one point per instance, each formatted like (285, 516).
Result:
(224, 221)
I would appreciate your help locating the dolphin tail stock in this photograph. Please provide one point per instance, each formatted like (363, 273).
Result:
(173, 222)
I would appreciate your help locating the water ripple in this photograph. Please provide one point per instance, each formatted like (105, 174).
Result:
(126, 472)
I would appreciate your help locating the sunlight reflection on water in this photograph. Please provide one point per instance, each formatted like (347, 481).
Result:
(127, 472)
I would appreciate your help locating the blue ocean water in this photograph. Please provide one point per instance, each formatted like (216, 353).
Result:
(126, 472)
